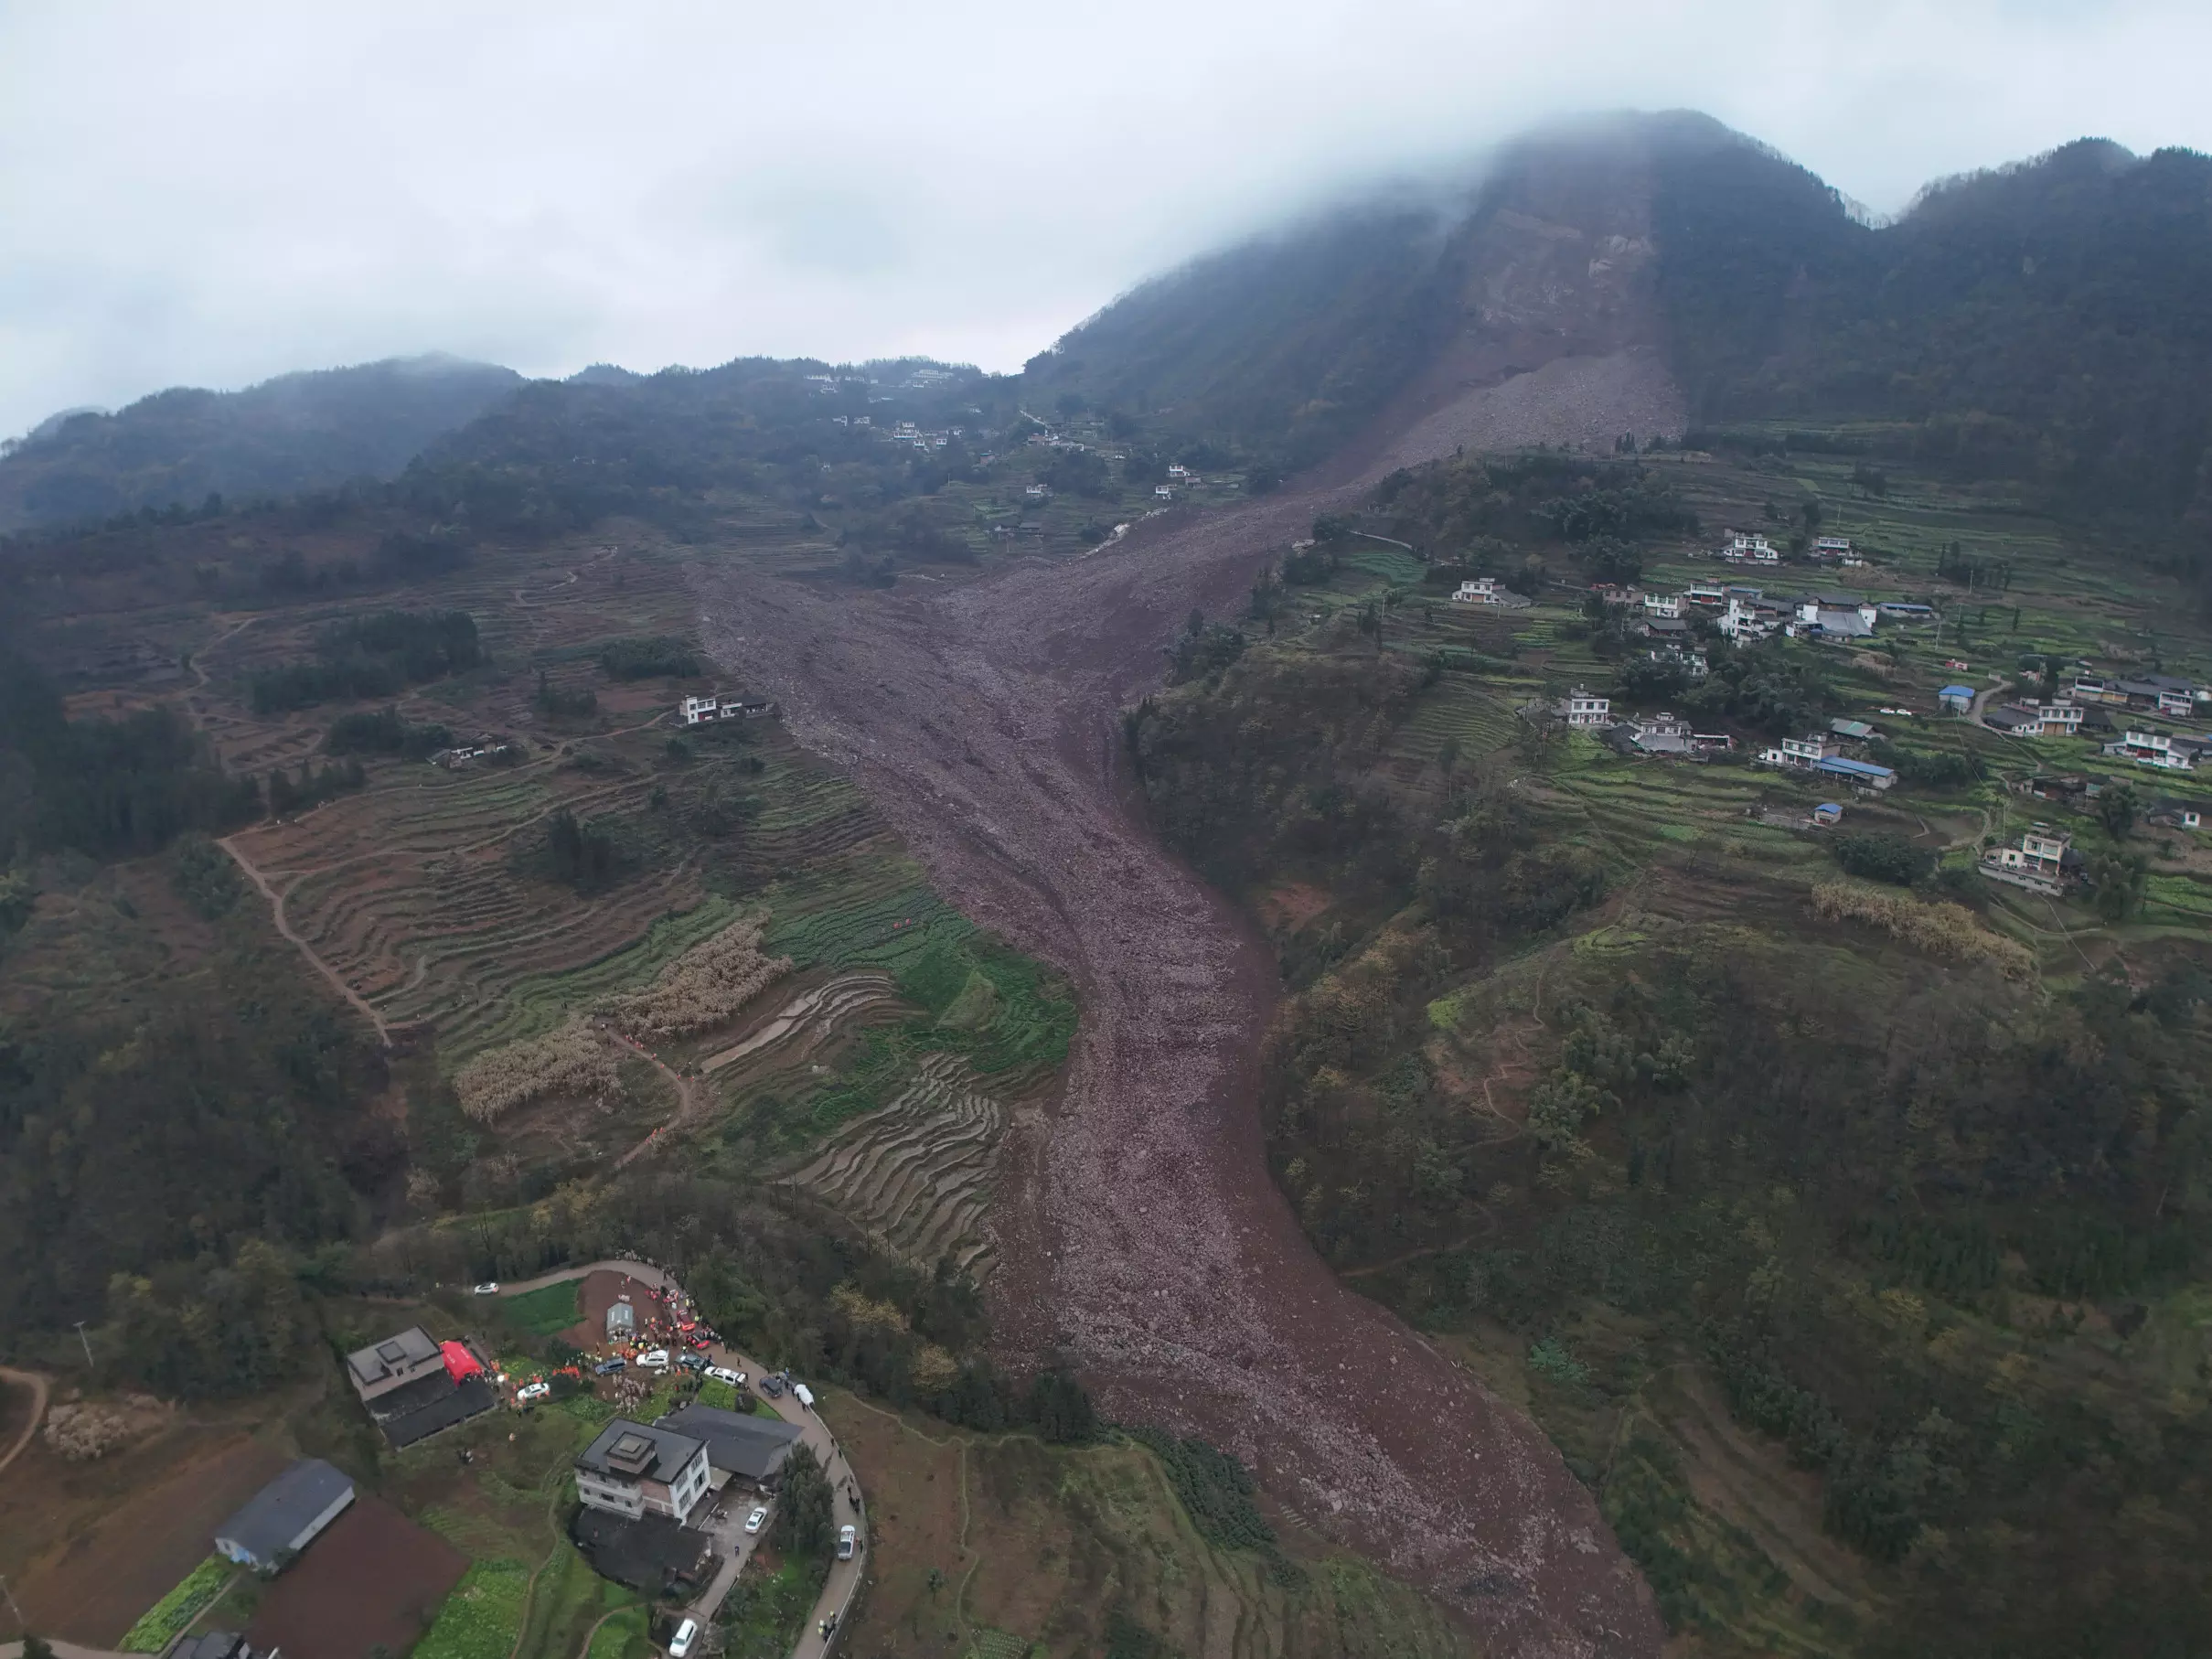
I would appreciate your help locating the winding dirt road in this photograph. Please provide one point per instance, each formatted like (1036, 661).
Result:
(39, 1388)
(276, 896)
(1142, 1235)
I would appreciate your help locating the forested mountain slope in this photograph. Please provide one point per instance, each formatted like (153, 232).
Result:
(297, 431)
(659, 446)
(1839, 1209)
(2050, 321)
(1288, 346)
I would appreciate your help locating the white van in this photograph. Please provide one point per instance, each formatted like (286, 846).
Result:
(680, 1644)
(804, 1394)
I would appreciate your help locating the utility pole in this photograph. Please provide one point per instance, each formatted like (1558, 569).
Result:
(88, 1345)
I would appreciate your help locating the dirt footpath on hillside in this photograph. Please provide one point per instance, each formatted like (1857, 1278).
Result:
(1141, 1234)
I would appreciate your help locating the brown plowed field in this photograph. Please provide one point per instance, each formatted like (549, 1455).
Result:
(87, 1579)
(372, 1580)
(1143, 1235)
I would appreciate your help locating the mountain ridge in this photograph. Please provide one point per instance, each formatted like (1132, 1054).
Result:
(2045, 321)
(295, 431)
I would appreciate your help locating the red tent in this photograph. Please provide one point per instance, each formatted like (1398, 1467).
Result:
(460, 1364)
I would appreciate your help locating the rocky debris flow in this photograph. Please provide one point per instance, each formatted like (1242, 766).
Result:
(1141, 1233)
(1587, 402)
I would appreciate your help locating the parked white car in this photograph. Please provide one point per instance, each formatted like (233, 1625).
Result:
(490, 1286)
(680, 1644)
(655, 1359)
(848, 1538)
(756, 1520)
(531, 1392)
(722, 1374)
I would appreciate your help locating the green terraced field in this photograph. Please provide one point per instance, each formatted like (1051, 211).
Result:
(483, 1616)
(881, 924)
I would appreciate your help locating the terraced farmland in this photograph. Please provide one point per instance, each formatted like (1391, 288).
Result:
(803, 1025)
(415, 894)
(917, 1176)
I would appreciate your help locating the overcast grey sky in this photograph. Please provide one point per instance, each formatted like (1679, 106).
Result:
(213, 193)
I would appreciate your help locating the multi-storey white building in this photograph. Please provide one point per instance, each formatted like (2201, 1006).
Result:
(635, 1468)
(2163, 750)
(2043, 862)
(1581, 709)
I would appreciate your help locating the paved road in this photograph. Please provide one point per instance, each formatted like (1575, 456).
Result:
(1997, 687)
(850, 1507)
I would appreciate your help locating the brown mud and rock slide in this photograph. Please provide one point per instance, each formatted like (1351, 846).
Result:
(1142, 1235)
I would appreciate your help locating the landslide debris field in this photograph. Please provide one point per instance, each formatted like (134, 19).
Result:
(899, 1065)
(1142, 1235)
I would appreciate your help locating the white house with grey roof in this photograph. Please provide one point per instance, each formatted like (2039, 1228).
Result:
(637, 1469)
(283, 1517)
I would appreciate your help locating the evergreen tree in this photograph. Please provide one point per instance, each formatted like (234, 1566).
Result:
(803, 1509)
(1060, 1409)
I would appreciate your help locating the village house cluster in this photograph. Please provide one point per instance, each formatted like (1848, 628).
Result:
(705, 711)
(656, 1497)
(1663, 734)
(2122, 713)
(1744, 547)
(465, 754)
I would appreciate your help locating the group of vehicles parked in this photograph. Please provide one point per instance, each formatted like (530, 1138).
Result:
(681, 1340)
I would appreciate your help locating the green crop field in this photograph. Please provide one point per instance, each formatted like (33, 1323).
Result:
(879, 923)
(482, 1619)
(765, 1612)
(621, 1636)
(165, 1620)
(547, 1310)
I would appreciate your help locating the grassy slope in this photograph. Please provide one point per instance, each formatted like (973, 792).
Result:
(989, 1544)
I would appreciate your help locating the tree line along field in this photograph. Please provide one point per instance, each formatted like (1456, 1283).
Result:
(1768, 1188)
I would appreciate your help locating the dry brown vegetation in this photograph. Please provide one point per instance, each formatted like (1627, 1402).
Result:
(574, 1060)
(83, 1430)
(703, 988)
(1941, 929)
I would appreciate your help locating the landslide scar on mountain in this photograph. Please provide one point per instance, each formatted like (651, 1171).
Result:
(1140, 1232)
